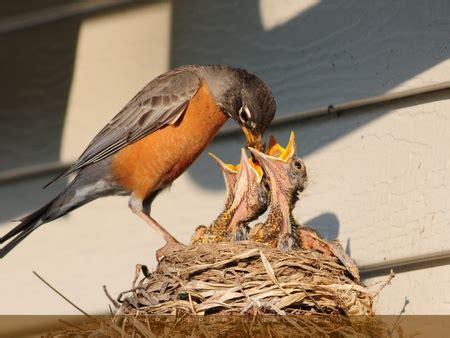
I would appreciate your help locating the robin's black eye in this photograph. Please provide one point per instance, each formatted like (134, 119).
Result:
(244, 114)
(298, 165)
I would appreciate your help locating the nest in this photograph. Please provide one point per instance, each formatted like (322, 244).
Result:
(243, 289)
(245, 278)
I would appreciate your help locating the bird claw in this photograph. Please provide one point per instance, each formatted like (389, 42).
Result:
(161, 253)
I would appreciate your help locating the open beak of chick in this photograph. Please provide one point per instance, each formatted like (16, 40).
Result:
(248, 202)
(229, 172)
(276, 160)
(250, 173)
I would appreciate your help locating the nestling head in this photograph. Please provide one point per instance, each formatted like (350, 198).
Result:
(283, 167)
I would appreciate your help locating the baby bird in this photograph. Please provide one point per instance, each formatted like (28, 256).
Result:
(246, 199)
(251, 198)
(204, 234)
(229, 172)
(288, 177)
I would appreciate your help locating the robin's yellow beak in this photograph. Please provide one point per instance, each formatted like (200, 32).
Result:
(253, 140)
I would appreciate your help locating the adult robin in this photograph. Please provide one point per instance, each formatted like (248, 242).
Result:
(155, 138)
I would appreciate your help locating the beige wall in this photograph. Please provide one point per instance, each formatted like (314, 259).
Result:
(379, 177)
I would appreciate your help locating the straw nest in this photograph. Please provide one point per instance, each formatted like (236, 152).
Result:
(244, 278)
(235, 290)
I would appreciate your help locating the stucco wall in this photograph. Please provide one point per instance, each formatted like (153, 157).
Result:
(379, 177)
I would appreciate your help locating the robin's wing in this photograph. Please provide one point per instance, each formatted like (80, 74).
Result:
(158, 104)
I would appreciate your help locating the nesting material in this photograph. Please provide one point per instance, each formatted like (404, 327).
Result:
(236, 290)
(245, 278)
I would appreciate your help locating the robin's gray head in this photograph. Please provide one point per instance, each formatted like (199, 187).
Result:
(256, 110)
(245, 98)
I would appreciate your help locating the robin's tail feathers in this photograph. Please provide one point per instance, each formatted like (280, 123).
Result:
(27, 226)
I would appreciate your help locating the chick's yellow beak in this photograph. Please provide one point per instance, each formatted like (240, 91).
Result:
(225, 166)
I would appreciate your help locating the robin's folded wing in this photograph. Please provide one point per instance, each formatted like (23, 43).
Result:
(160, 103)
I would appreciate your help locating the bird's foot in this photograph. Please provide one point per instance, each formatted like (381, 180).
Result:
(288, 242)
(166, 250)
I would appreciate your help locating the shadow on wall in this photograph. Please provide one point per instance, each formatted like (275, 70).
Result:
(332, 51)
(326, 224)
(38, 65)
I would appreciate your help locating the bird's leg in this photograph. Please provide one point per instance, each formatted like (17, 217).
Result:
(139, 207)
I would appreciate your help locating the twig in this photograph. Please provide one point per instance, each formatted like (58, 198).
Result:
(63, 297)
(385, 283)
(403, 310)
(116, 304)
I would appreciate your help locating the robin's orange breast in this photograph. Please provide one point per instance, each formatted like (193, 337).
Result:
(159, 158)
